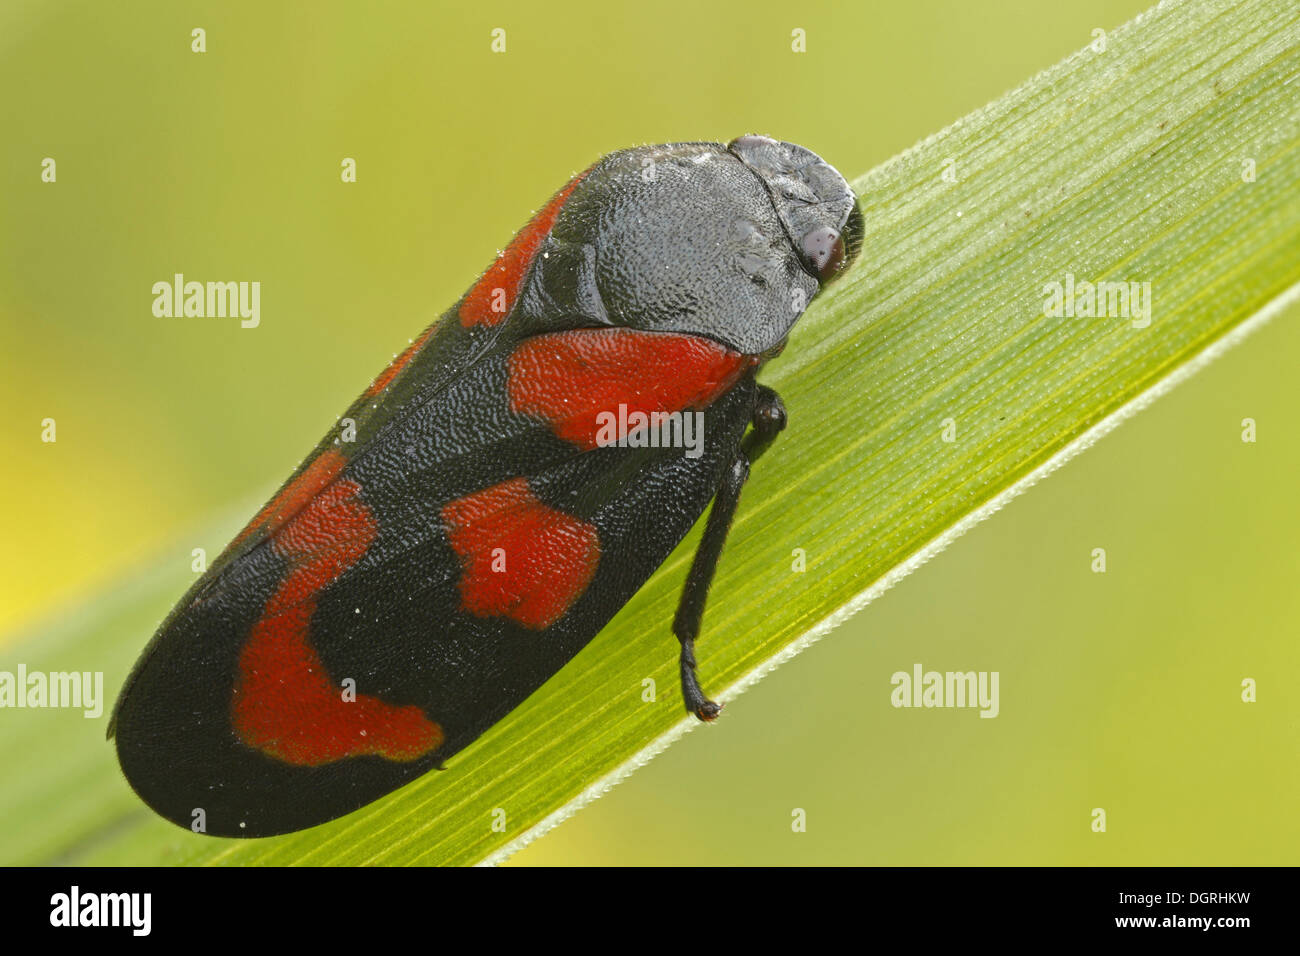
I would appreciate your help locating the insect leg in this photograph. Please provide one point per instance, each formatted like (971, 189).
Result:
(767, 421)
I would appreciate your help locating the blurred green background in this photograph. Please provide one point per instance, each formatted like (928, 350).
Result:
(1118, 690)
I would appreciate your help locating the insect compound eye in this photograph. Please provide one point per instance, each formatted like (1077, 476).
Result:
(827, 252)
(823, 249)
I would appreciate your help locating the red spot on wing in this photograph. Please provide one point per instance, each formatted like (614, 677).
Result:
(570, 378)
(396, 365)
(292, 497)
(508, 271)
(285, 704)
(520, 559)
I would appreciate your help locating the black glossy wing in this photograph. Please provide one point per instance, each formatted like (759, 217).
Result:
(369, 633)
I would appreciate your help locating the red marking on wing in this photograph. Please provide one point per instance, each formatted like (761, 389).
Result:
(569, 378)
(508, 271)
(284, 703)
(396, 365)
(549, 556)
(294, 496)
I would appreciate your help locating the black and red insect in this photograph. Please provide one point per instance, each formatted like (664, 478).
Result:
(406, 590)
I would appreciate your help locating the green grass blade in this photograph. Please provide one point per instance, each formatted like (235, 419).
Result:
(1123, 164)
